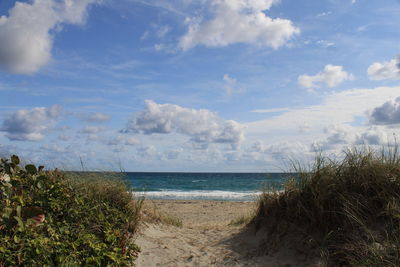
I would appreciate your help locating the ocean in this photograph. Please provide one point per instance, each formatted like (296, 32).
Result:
(204, 186)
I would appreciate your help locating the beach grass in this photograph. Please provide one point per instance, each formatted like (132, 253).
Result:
(243, 219)
(152, 214)
(52, 218)
(347, 211)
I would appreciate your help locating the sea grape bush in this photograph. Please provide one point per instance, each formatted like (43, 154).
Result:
(47, 219)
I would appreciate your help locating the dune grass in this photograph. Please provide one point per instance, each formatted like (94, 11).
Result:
(348, 211)
(151, 214)
(50, 218)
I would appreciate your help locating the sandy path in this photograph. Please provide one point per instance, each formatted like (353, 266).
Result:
(205, 239)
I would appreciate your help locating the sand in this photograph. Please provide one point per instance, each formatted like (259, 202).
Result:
(207, 238)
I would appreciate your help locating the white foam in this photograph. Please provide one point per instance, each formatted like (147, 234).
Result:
(200, 194)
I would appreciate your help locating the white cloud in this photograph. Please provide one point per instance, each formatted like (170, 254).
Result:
(331, 76)
(385, 70)
(26, 34)
(30, 125)
(239, 21)
(203, 126)
(387, 113)
(231, 86)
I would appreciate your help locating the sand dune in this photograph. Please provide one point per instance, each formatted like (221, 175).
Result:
(207, 238)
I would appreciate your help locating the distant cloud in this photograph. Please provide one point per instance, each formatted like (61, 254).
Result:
(148, 151)
(385, 70)
(64, 137)
(92, 129)
(7, 151)
(52, 148)
(331, 76)
(95, 117)
(342, 136)
(281, 150)
(239, 21)
(203, 126)
(323, 14)
(26, 35)
(372, 136)
(30, 125)
(270, 110)
(162, 31)
(231, 85)
(387, 113)
(123, 140)
(325, 43)
(337, 137)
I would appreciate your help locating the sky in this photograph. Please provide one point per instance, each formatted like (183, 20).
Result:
(196, 85)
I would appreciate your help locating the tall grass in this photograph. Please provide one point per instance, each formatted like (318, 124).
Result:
(50, 218)
(347, 210)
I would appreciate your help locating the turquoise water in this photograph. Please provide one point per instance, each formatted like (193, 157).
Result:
(206, 186)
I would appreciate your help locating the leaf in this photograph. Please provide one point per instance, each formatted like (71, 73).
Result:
(19, 209)
(7, 212)
(20, 223)
(7, 168)
(31, 169)
(15, 159)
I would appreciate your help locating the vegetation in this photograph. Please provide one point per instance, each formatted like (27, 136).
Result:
(49, 218)
(243, 219)
(152, 214)
(347, 210)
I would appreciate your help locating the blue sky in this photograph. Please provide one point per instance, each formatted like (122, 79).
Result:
(205, 85)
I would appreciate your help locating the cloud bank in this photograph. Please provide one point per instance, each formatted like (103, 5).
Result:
(239, 21)
(26, 34)
(203, 126)
(30, 125)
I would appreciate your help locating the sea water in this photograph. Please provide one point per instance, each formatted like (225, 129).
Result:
(205, 186)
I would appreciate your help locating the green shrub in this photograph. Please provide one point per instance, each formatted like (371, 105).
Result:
(347, 210)
(47, 219)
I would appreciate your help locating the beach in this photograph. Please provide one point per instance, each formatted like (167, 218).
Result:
(204, 213)
(207, 237)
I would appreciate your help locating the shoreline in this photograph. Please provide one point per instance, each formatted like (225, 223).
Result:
(200, 195)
